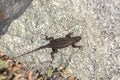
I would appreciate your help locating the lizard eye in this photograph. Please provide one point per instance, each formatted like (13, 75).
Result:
(79, 38)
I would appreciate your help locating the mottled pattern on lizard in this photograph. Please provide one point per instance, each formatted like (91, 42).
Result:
(58, 43)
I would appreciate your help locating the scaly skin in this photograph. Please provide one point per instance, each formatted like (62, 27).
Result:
(58, 43)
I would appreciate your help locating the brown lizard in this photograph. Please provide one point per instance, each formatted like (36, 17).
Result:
(58, 43)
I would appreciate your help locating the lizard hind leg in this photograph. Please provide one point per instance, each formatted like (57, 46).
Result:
(53, 52)
(49, 38)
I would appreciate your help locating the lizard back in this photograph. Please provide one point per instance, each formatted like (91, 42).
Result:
(61, 42)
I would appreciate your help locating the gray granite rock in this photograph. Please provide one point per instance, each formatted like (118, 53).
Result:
(10, 10)
(97, 21)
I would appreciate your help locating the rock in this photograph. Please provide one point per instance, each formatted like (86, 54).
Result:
(97, 20)
(10, 10)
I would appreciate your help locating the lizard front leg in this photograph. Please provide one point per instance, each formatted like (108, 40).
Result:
(75, 46)
(69, 35)
(53, 52)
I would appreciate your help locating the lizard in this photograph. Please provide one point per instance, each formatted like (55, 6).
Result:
(58, 43)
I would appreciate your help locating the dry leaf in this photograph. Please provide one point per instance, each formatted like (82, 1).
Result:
(30, 76)
(71, 78)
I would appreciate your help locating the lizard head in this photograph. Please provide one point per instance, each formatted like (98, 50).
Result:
(77, 38)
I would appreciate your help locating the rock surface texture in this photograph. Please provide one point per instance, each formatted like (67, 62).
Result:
(97, 21)
(10, 10)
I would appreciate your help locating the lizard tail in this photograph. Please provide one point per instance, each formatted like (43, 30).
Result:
(32, 51)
